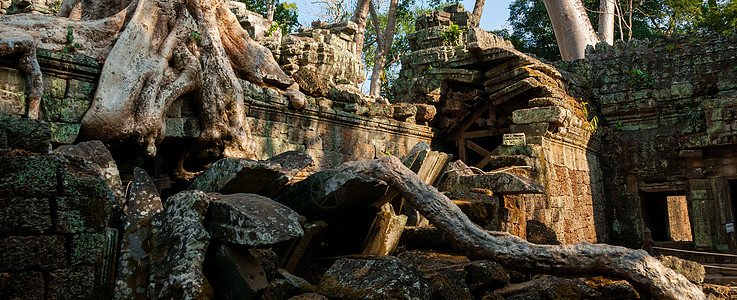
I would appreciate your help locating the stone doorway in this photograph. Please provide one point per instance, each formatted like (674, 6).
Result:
(667, 216)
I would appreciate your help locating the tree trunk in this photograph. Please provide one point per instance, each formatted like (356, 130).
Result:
(383, 46)
(606, 21)
(572, 27)
(478, 9)
(515, 253)
(360, 15)
(168, 48)
(270, 10)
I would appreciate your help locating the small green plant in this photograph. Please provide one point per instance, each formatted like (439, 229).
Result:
(55, 6)
(274, 28)
(639, 79)
(594, 122)
(452, 35)
(71, 45)
(694, 118)
(617, 126)
(196, 36)
(733, 69)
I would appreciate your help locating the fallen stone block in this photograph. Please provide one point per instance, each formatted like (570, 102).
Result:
(178, 244)
(693, 271)
(501, 183)
(250, 219)
(331, 193)
(96, 153)
(291, 163)
(553, 287)
(133, 266)
(383, 237)
(236, 175)
(387, 277)
(143, 198)
(236, 274)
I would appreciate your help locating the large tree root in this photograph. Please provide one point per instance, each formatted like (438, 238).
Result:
(21, 44)
(155, 51)
(515, 253)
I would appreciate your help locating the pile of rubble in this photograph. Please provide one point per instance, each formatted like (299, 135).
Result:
(271, 229)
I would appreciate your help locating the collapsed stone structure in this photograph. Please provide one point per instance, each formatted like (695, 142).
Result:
(538, 167)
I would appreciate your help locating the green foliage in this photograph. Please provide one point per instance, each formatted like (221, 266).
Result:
(532, 32)
(694, 118)
(285, 13)
(452, 36)
(196, 36)
(71, 45)
(593, 122)
(274, 27)
(639, 79)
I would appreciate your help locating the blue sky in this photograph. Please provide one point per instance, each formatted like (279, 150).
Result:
(494, 17)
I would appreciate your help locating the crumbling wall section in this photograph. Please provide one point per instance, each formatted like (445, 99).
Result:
(482, 89)
(54, 211)
(667, 122)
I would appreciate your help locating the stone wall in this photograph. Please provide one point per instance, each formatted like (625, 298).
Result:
(331, 132)
(69, 85)
(666, 118)
(482, 88)
(54, 210)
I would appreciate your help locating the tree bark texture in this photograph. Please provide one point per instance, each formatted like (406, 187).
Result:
(360, 15)
(383, 45)
(606, 21)
(515, 253)
(478, 9)
(572, 27)
(270, 10)
(156, 51)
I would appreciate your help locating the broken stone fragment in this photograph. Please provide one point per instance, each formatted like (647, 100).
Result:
(501, 183)
(143, 198)
(96, 153)
(133, 265)
(553, 287)
(236, 274)
(252, 220)
(292, 163)
(552, 114)
(385, 232)
(331, 193)
(236, 175)
(384, 278)
(179, 242)
(692, 270)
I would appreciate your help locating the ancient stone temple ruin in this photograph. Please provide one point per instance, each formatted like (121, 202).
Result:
(337, 191)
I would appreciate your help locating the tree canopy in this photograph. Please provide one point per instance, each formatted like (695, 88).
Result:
(285, 13)
(532, 32)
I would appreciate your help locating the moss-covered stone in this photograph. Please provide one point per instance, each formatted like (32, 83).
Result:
(384, 278)
(21, 215)
(86, 248)
(64, 133)
(29, 135)
(25, 175)
(68, 110)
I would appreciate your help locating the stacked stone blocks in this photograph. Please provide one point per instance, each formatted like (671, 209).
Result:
(53, 215)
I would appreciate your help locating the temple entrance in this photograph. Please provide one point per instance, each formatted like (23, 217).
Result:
(667, 217)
